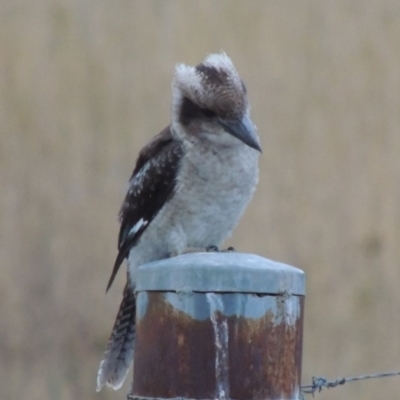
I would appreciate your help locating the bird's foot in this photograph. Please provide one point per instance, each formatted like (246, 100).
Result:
(217, 250)
(212, 249)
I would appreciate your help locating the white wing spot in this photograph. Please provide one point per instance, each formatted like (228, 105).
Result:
(137, 226)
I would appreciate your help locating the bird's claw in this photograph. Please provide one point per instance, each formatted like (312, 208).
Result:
(215, 249)
(212, 249)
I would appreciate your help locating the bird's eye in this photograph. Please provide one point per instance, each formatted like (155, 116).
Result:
(208, 113)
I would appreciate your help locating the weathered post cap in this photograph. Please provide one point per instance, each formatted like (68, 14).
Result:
(221, 272)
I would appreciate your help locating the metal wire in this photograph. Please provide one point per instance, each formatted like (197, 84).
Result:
(319, 383)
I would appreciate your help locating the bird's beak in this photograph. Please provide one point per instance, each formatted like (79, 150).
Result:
(244, 130)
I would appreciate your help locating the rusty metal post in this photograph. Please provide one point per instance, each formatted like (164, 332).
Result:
(218, 326)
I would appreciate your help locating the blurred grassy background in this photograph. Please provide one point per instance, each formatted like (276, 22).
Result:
(84, 84)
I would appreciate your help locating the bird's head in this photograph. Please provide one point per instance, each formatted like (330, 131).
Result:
(210, 100)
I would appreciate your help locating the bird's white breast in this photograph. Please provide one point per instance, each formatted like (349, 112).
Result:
(213, 190)
(219, 185)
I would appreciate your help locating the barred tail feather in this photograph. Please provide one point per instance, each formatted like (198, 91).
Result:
(119, 353)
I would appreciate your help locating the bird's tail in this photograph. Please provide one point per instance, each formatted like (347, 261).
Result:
(119, 353)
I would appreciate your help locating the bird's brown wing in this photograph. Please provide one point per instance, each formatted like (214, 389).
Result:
(152, 183)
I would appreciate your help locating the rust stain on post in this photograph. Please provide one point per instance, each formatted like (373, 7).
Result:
(174, 355)
(265, 357)
(175, 352)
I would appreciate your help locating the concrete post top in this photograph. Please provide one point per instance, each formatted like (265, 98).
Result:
(220, 272)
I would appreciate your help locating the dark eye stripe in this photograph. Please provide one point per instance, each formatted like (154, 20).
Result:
(208, 113)
(190, 111)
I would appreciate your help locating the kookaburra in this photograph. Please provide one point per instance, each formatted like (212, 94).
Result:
(190, 186)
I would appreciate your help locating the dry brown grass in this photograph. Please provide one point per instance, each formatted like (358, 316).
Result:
(83, 85)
